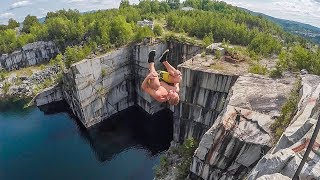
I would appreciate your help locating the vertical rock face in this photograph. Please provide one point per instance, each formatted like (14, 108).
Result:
(288, 152)
(202, 97)
(181, 52)
(30, 54)
(97, 88)
(49, 95)
(240, 135)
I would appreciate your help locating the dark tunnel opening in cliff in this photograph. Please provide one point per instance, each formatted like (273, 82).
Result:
(130, 128)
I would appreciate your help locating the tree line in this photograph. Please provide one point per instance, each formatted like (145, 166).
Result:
(82, 33)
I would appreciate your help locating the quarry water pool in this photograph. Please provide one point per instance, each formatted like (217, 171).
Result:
(52, 144)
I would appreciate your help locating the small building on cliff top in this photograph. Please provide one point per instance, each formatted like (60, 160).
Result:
(146, 22)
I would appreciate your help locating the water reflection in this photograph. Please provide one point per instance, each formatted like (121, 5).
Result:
(12, 105)
(131, 128)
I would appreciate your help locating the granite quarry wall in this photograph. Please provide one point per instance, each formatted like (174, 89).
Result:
(202, 98)
(30, 54)
(97, 88)
(228, 114)
(181, 52)
(49, 95)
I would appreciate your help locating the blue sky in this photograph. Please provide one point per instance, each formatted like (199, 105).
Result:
(306, 11)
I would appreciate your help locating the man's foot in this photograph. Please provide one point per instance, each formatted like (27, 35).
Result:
(164, 56)
(152, 53)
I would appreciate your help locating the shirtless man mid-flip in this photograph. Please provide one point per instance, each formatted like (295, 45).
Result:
(162, 85)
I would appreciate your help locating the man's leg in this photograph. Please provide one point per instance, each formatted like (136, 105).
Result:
(154, 83)
(175, 75)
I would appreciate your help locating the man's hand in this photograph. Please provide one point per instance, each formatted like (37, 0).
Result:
(177, 73)
(176, 85)
(152, 75)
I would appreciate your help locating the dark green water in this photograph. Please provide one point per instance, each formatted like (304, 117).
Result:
(38, 145)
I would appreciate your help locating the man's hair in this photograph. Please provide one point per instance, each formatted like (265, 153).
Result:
(174, 101)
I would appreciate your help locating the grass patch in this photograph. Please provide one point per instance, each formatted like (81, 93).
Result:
(3, 74)
(6, 87)
(48, 83)
(276, 73)
(182, 38)
(258, 69)
(28, 71)
(103, 73)
(239, 52)
(287, 112)
(217, 66)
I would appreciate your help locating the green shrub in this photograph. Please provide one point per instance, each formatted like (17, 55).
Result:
(58, 60)
(158, 30)
(163, 167)
(218, 54)
(6, 87)
(73, 55)
(208, 39)
(186, 152)
(58, 78)
(103, 73)
(287, 112)
(3, 75)
(276, 73)
(258, 69)
(48, 83)
(203, 54)
(265, 44)
(143, 32)
(42, 67)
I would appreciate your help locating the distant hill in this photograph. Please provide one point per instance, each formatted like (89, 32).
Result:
(304, 30)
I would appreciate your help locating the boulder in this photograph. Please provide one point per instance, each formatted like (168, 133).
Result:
(275, 176)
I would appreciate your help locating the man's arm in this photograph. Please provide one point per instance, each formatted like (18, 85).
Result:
(174, 87)
(144, 84)
(146, 88)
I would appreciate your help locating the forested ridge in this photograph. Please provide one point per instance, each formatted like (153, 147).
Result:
(79, 35)
(307, 31)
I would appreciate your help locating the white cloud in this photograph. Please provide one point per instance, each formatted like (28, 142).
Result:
(86, 2)
(6, 15)
(43, 11)
(76, 1)
(305, 11)
(19, 4)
